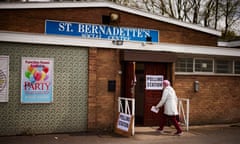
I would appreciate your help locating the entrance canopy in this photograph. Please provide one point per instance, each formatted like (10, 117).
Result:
(148, 56)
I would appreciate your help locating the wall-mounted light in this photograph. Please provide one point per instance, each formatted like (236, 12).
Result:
(111, 19)
(114, 18)
(117, 42)
(120, 72)
(196, 86)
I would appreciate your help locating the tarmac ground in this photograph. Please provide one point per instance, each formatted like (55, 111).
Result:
(207, 134)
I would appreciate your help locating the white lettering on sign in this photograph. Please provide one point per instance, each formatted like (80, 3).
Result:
(63, 26)
(100, 31)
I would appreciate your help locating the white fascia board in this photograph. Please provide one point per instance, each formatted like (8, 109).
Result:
(109, 5)
(6, 36)
(229, 44)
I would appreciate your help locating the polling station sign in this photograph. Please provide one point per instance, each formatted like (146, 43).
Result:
(154, 82)
(37, 80)
(124, 124)
(96, 31)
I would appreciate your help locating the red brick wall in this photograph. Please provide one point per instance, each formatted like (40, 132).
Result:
(218, 99)
(33, 20)
(102, 105)
(92, 82)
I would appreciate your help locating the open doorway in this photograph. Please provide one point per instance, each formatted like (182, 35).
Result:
(136, 65)
(144, 98)
(139, 94)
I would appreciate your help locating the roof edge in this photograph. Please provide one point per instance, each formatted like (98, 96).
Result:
(33, 38)
(109, 5)
(229, 44)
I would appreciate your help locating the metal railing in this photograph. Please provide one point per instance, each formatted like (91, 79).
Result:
(183, 109)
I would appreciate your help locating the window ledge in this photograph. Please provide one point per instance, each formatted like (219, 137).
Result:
(205, 74)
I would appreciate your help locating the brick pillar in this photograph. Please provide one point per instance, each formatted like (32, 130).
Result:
(92, 82)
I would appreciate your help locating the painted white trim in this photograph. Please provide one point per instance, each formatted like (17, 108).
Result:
(6, 36)
(229, 44)
(108, 5)
(205, 74)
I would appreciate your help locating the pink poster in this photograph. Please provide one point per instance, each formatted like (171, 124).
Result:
(37, 80)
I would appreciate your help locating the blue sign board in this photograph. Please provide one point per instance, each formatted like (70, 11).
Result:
(100, 31)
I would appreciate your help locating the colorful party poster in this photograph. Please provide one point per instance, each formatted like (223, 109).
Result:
(4, 71)
(37, 80)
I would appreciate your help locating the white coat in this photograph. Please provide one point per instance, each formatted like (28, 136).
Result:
(169, 100)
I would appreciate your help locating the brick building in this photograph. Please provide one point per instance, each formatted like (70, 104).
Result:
(92, 69)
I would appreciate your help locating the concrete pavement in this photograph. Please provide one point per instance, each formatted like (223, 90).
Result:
(210, 134)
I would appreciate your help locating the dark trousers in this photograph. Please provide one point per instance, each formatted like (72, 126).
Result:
(173, 120)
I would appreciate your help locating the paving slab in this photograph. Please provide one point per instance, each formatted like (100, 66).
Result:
(208, 134)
